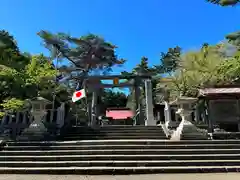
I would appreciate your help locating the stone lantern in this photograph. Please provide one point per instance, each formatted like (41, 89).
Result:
(38, 111)
(37, 129)
(185, 109)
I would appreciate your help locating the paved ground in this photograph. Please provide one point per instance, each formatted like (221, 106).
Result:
(222, 176)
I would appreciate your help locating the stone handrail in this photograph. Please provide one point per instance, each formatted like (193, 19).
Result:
(176, 136)
(165, 129)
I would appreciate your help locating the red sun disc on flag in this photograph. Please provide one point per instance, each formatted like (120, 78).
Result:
(78, 94)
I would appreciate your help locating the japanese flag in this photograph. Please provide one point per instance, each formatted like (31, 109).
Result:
(77, 95)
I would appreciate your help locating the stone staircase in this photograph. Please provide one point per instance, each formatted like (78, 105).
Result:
(116, 150)
(113, 132)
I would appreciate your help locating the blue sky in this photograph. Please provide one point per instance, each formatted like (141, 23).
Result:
(138, 28)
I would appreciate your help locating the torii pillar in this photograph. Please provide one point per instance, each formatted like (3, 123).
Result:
(149, 103)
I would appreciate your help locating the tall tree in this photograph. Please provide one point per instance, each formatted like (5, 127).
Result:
(204, 68)
(114, 99)
(142, 68)
(168, 64)
(85, 54)
(23, 76)
(17, 86)
(224, 2)
(10, 55)
(7, 41)
(234, 37)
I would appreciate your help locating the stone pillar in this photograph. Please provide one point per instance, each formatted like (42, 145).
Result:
(94, 109)
(89, 111)
(209, 118)
(149, 103)
(137, 93)
(4, 119)
(141, 120)
(60, 115)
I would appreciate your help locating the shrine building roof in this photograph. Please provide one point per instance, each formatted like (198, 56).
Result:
(219, 91)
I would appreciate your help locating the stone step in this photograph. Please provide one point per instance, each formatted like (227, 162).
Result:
(132, 128)
(116, 131)
(118, 170)
(191, 132)
(116, 157)
(120, 147)
(193, 136)
(118, 134)
(226, 135)
(137, 163)
(89, 137)
(116, 128)
(119, 151)
(126, 142)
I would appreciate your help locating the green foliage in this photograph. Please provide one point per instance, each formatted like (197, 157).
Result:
(7, 41)
(204, 68)
(22, 76)
(230, 70)
(9, 52)
(143, 68)
(39, 70)
(169, 60)
(114, 99)
(86, 54)
(12, 104)
(27, 83)
(224, 2)
(234, 38)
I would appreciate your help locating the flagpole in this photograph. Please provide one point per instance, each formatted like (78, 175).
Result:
(54, 93)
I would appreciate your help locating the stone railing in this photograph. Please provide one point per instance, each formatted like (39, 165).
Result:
(11, 125)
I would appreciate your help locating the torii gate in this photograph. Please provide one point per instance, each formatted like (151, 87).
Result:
(93, 83)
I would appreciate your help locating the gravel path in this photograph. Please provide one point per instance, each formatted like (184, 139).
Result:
(222, 176)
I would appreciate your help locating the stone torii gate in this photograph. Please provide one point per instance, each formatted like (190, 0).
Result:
(93, 84)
